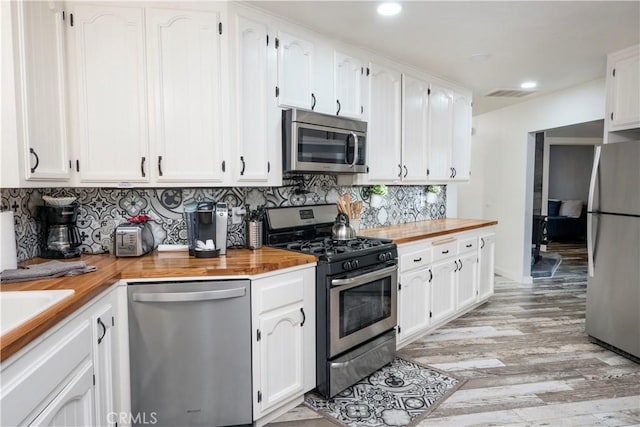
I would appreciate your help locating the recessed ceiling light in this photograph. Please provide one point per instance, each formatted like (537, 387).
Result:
(528, 85)
(389, 8)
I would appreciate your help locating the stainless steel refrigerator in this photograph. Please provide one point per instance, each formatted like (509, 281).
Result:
(613, 239)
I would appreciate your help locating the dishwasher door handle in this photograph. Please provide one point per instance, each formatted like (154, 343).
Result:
(190, 296)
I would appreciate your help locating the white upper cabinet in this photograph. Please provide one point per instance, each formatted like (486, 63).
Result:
(42, 110)
(440, 133)
(384, 130)
(295, 72)
(461, 138)
(348, 74)
(111, 111)
(256, 114)
(185, 102)
(415, 129)
(623, 94)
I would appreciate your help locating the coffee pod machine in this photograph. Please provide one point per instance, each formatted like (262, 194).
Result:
(60, 235)
(207, 221)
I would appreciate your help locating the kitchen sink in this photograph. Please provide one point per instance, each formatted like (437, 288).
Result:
(18, 307)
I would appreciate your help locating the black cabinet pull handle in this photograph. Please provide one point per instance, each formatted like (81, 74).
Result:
(406, 171)
(224, 166)
(469, 245)
(400, 173)
(456, 263)
(160, 165)
(268, 167)
(481, 242)
(417, 259)
(339, 107)
(313, 98)
(104, 330)
(460, 261)
(32, 151)
(144, 159)
(451, 176)
(430, 275)
(243, 165)
(304, 317)
(445, 252)
(455, 172)
(77, 165)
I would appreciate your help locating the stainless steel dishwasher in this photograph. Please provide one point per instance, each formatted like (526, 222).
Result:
(190, 346)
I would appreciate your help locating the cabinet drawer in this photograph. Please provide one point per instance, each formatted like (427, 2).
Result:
(53, 366)
(467, 245)
(418, 257)
(444, 248)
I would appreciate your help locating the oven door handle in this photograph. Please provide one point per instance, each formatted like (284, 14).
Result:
(364, 278)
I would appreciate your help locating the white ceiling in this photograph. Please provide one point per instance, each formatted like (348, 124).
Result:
(556, 43)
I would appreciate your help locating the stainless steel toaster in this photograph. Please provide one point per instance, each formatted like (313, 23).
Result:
(133, 239)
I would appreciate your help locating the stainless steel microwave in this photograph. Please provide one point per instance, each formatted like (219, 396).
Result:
(322, 143)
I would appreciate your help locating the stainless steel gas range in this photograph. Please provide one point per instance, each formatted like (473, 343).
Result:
(356, 294)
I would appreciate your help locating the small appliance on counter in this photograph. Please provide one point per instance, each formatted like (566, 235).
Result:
(133, 238)
(61, 238)
(206, 222)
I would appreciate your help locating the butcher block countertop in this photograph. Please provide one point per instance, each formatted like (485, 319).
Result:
(237, 262)
(405, 233)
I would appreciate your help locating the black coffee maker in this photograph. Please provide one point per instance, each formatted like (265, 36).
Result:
(61, 238)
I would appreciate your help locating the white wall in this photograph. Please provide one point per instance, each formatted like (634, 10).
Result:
(501, 185)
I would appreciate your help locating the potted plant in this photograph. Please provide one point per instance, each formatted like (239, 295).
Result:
(432, 193)
(377, 193)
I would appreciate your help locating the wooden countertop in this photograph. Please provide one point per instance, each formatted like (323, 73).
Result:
(404, 233)
(155, 265)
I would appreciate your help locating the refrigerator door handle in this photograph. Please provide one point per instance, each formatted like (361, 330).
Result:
(591, 234)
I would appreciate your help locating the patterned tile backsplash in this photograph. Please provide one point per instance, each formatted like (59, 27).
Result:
(101, 209)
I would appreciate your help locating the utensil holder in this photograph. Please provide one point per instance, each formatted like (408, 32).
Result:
(254, 234)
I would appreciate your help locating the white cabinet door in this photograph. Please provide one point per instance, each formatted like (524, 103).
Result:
(443, 301)
(467, 280)
(184, 63)
(415, 136)
(624, 90)
(104, 341)
(74, 405)
(42, 109)
(295, 72)
(413, 303)
(486, 256)
(109, 57)
(440, 133)
(257, 144)
(283, 309)
(461, 139)
(348, 72)
(384, 131)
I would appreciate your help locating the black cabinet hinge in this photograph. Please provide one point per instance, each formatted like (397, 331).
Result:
(267, 39)
(220, 28)
(259, 396)
(361, 70)
(77, 165)
(611, 116)
(367, 169)
(94, 379)
(399, 330)
(71, 19)
(258, 335)
(428, 171)
(277, 91)
(361, 109)
(399, 286)
(430, 314)
(429, 91)
(614, 72)
(70, 165)
(277, 42)
(113, 321)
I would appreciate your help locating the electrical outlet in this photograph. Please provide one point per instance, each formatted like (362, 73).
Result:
(237, 213)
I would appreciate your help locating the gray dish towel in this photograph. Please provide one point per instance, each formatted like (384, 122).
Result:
(46, 270)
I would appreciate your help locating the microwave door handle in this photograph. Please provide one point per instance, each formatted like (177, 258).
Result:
(355, 149)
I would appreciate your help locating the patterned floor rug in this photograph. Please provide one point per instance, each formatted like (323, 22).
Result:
(398, 394)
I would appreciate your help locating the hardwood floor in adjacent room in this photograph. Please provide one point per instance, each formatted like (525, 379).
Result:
(526, 360)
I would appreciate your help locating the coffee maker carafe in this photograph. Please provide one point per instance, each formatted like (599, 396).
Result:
(61, 238)
(206, 221)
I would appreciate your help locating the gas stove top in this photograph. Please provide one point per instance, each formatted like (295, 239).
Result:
(328, 250)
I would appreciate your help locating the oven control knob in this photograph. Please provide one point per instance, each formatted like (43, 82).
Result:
(347, 265)
(382, 257)
(355, 263)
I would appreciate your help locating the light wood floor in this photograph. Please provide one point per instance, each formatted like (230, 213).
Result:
(526, 360)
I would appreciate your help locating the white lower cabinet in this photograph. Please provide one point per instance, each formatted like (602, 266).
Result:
(440, 279)
(283, 359)
(66, 377)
